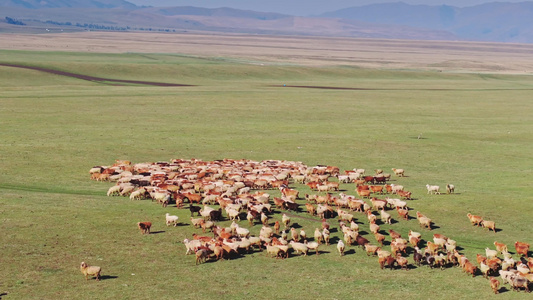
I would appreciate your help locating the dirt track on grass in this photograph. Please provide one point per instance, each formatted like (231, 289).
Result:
(93, 78)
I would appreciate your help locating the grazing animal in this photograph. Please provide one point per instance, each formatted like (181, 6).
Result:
(195, 209)
(318, 236)
(475, 220)
(521, 248)
(340, 247)
(433, 189)
(286, 220)
(201, 255)
(144, 227)
(398, 172)
(450, 188)
(90, 271)
(171, 220)
(489, 224)
(495, 285)
(500, 247)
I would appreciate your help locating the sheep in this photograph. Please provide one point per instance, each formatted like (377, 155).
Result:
(433, 189)
(171, 220)
(340, 247)
(450, 188)
(197, 222)
(398, 172)
(242, 232)
(138, 194)
(500, 247)
(299, 247)
(286, 220)
(201, 255)
(127, 190)
(272, 250)
(312, 246)
(491, 253)
(371, 249)
(385, 217)
(295, 235)
(114, 190)
(489, 224)
(318, 236)
(395, 188)
(264, 218)
(191, 245)
(495, 285)
(517, 282)
(325, 234)
(144, 227)
(206, 225)
(90, 271)
(233, 214)
(374, 228)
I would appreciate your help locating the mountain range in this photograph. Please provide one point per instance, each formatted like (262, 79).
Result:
(498, 21)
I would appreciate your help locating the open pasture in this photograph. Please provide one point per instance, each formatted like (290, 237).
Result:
(475, 132)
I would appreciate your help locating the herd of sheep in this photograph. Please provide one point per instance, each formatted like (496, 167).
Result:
(245, 188)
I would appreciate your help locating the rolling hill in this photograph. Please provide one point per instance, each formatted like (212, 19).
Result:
(500, 22)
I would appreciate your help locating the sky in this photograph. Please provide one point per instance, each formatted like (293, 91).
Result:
(301, 7)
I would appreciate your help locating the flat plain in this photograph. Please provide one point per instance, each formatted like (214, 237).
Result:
(351, 103)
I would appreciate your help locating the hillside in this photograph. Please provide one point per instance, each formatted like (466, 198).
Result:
(38, 4)
(499, 22)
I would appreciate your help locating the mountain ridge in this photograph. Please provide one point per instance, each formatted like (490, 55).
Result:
(497, 21)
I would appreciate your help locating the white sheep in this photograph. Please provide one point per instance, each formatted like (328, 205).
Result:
(191, 245)
(398, 172)
(299, 247)
(385, 217)
(286, 220)
(312, 246)
(491, 253)
(171, 220)
(242, 232)
(340, 247)
(433, 189)
(450, 188)
(90, 271)
(138, 194)
(114, 190)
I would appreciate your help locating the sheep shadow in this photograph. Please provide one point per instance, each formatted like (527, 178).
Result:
(296, 225)
(181, 224)
(496, 230)
(433, 227)
(157, 232)
(3, 294)
(334, 240)
(362, 232)
(103, 277)
(332, 230)
(503, 290)
(351, 251)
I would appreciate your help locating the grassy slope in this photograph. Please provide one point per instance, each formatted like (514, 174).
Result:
(476, 133)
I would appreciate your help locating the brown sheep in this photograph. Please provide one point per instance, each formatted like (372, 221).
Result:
(144, 227)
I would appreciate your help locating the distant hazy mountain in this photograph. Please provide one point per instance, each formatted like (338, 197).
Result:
(498, 21)
(502, 22)
(36, 4)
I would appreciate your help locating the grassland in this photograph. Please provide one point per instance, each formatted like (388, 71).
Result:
(476, 131)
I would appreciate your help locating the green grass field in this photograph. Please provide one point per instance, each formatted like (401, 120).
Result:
(476, 133)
